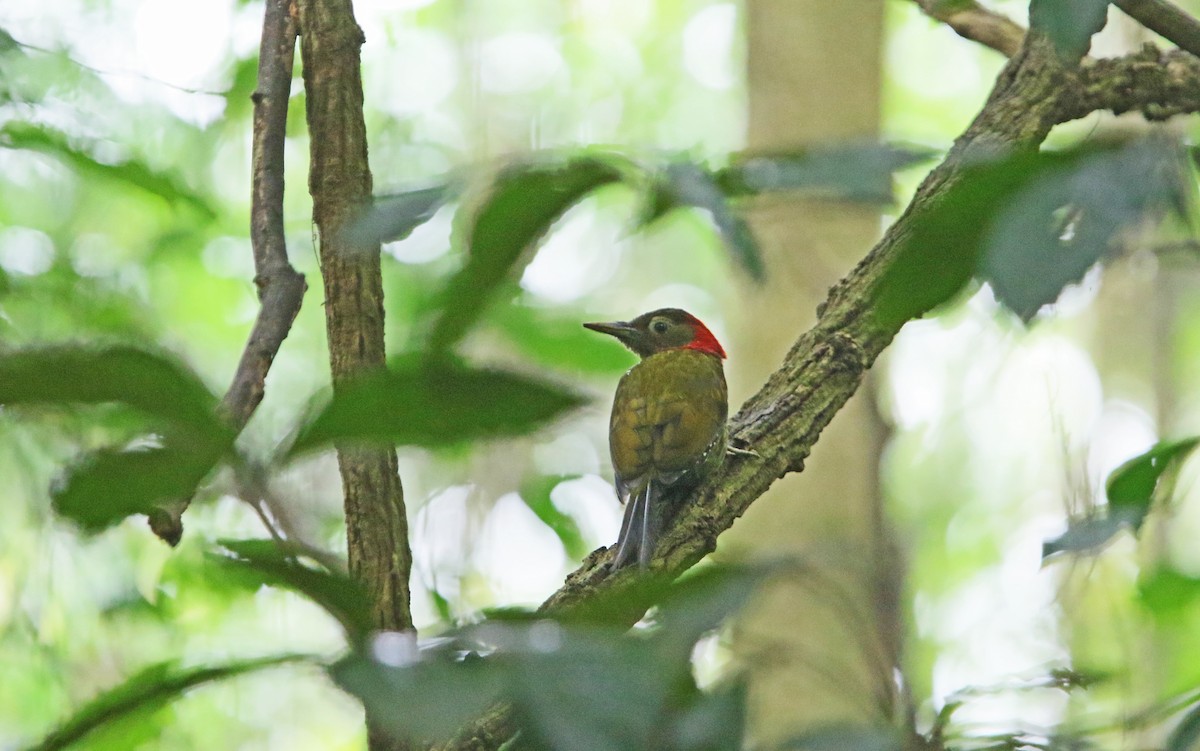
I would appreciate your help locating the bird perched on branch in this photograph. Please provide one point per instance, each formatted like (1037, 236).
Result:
(667, 429)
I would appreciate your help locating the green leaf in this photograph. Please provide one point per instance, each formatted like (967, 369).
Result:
(434, 403)
(845, 737)
(552, 339)
(525, 201)
(108, 485)
(713, 721)
(595, 691)
(854, 171)
(8, 43)
(1085, 535)
(264, 562)
(1186, 734)
(1029, 224)
(425, 701)
(154, 384)
(394, 216)
(1070, 24)
(1131, 486)
(690, 184)
(1166, 592)
(1065, 218)
(148, 690)
(704, 599)
(136, 174)
(536, 494)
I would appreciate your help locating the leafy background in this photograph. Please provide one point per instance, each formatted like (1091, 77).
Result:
(123, 213)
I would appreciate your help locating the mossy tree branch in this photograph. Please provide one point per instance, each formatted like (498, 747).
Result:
(782, 422)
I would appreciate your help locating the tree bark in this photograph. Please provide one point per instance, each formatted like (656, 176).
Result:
(819, 645)
(340, 184)
(826, 365)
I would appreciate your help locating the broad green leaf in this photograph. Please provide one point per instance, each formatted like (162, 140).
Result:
(857, 172)
(109, 485)
(425, 701)
(1186, 734)
(714, 721)
(1086, 535)
(525, 201)
(1029, 224)
(1166, 592)
(704, 599)
(551, 339)
(845, 738)
(434, 403)
(45, 140)
(1070, 24)
(576, 682)
(688, 607)
(1066, 218)
(692, 185)
(1131, 486)
(536, 494)
(264, 562)
(147, 691)
(394, 216)
(156, 385)
(594, 691)
(7, 43)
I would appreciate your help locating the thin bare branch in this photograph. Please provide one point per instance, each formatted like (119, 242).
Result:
(280, 287)
(1166, 20)
(970, 20)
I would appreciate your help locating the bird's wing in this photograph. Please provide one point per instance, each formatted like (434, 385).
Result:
(664, 426)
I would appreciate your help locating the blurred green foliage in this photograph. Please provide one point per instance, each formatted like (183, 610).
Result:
(123, 208)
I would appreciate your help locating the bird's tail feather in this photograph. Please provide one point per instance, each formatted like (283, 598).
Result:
(639, 528)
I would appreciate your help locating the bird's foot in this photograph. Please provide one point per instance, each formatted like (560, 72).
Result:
(738, 451)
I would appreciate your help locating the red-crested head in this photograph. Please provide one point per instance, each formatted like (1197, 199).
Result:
(661, 330)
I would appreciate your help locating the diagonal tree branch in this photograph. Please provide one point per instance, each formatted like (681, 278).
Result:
(1166, 20)
(970, 20)
(782, 422)
(280, 287)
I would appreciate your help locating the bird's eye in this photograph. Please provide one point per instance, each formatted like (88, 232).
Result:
(660, 326)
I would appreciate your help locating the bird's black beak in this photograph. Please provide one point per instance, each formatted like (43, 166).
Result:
(622, 330)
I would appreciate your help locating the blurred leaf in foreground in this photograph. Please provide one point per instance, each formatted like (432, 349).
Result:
(1131, 486)
(688, 184)
(524, 202)
(1029, 224)
(145, 692)
(394, 216)
(109, 485)
(45, 140)
(266, 563)
(852, 171)
(1070, 24)
(154, 384)
(576, 683)
(434, 403)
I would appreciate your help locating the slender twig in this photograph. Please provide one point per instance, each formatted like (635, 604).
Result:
(280, 287)
(970, 20)
(1166, 20)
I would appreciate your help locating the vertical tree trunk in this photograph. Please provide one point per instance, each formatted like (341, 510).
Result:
(820, 646)
(340, 183)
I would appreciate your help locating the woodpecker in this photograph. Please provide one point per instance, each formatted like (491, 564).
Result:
(667, 429)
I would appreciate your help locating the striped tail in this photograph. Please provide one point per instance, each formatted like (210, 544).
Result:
(639, 527)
